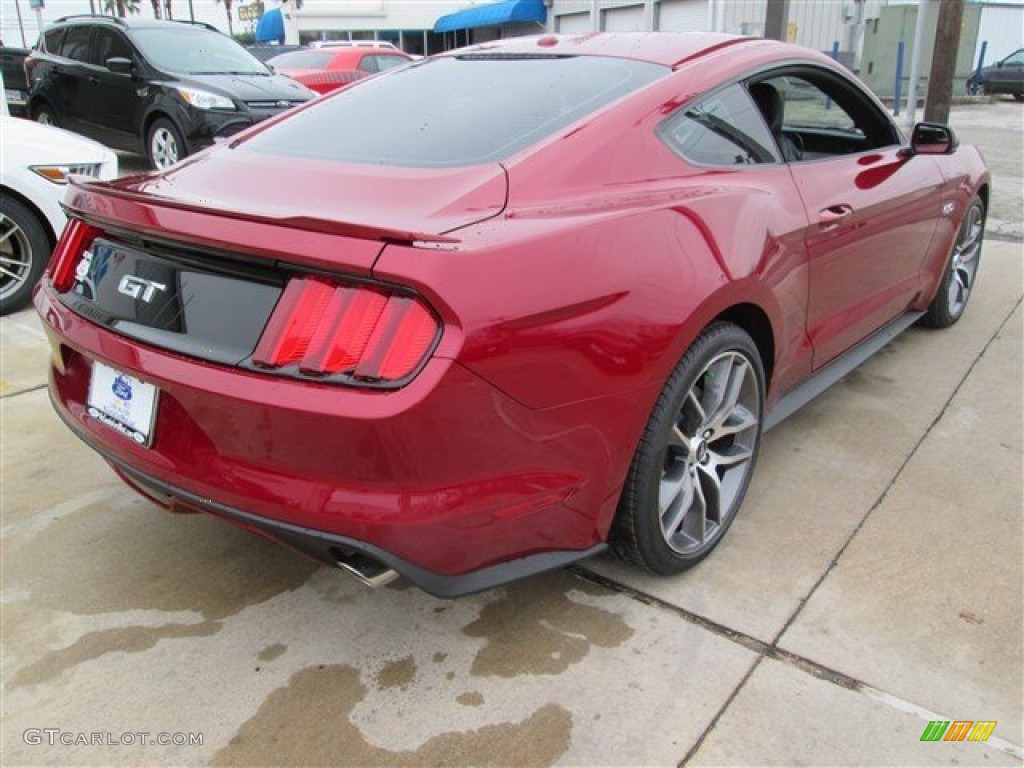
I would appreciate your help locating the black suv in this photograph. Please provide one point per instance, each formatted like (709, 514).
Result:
(164, 88)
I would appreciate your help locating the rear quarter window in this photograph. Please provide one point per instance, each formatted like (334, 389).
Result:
(455, 111)
(723, 129)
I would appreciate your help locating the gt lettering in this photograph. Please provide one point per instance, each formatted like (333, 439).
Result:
(139, 288)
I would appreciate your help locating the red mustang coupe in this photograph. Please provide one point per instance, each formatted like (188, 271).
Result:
(332, 67)
(545, 301)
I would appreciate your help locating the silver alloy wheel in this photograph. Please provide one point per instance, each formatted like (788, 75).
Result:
(15, 256)
(964, 264)
(45, 118)
(164, 148)
(709, 452)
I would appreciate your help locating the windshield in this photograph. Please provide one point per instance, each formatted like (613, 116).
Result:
(302, 60)
(454, 111)
(195, 51)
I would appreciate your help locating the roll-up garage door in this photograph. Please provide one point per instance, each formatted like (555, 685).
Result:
(627, 19)
(683, 16)
(573, 24)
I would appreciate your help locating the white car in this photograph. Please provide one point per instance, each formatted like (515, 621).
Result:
(35, 162)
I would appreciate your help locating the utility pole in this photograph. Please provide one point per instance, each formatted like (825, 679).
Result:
(776, 19)
(21, 24)
(947, 42)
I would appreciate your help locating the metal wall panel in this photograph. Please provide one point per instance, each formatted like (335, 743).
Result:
(682, 16)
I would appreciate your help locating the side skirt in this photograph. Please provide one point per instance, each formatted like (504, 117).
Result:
(821, 380)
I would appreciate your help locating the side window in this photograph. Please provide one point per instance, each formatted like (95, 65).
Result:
(76, 43)
(110, 44)
(52, 39)
(807, 106)
(1015, 59)
(723, 129)
(816, 115)
(385, 61)
(368, 63)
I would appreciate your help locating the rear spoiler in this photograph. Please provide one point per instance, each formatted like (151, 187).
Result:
(80, 201)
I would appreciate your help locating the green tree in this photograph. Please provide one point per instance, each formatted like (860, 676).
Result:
(120, 7)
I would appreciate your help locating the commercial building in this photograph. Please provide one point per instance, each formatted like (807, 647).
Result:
(430, 26)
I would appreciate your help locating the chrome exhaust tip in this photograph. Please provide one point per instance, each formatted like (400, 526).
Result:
(365, 570)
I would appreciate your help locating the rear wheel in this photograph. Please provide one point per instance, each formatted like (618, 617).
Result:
(962, 268)
(24, 252)
(694, 463)
(164, 144)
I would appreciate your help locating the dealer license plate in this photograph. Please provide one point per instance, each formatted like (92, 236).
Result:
(123, 403)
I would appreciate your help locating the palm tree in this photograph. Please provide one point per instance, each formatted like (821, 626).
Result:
(167, 9)
(227, 9)
(156, 8)
(120, 7)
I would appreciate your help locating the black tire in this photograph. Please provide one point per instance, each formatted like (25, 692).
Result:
(44, 114)
(684, 447)
(164, 144)
(960, 271)
(24, 252)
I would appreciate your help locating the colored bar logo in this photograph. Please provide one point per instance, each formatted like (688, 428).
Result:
(958, 730)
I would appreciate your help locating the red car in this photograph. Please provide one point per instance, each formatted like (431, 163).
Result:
(334, 66)
(546, 300)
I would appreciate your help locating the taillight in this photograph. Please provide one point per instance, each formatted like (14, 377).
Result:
(323, 328)
(77, 238)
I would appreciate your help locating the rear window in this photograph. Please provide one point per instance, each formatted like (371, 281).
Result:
(454, 111)
(303, 60)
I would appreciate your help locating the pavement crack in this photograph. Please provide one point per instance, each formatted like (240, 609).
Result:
(25, 391)
(895, 478)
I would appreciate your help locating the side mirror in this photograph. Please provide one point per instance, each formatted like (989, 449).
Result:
(933, 139)
(120, 65)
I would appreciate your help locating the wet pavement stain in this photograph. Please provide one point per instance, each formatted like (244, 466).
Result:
(272, 652)
(397, 674)
(470, 699)
(111, 557)
(96, 644)
(536, 629)
(277, 735)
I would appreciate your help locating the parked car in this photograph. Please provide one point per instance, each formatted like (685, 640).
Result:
(267, 51)
(12, 65)
(353, 44)
(330, 67)
(160, 88)
(1005, 76)
(509, 306)
(35, 162)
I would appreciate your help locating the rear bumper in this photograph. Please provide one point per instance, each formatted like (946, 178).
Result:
(327, 548)
(447, 480)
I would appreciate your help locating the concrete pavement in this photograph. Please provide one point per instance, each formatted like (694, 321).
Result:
(871, 585)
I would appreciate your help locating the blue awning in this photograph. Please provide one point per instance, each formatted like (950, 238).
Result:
(493, 15)
(270, 27)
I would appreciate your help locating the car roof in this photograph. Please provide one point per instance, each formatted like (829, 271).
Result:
(132, 23)
(362, 50)
(666, 48)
